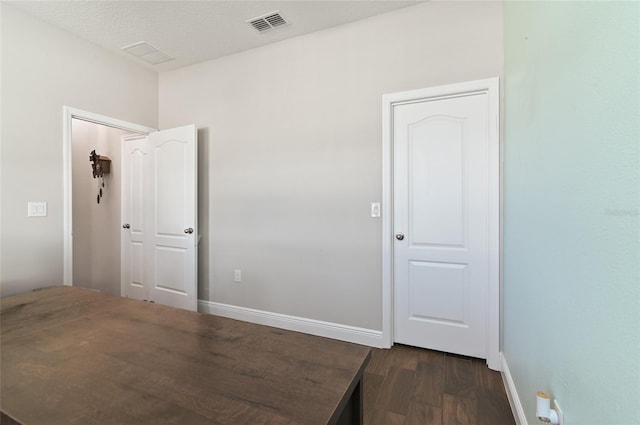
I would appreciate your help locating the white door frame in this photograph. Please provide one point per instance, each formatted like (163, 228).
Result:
(491, 87)
(68, 114)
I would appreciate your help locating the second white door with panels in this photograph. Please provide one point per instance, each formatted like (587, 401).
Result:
(159, 194)
(441, 192)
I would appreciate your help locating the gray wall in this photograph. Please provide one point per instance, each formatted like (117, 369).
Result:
(572, 207)
(44, 68)
(96, 227)
(290, 153)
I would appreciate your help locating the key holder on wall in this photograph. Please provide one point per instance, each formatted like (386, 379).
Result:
(101, 165)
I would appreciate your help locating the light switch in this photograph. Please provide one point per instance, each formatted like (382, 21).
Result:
(375, 209)
(36, 209)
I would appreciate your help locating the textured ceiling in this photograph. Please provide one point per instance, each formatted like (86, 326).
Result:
(195, 31)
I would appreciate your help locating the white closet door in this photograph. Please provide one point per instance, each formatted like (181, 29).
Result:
(173, 239)
(136, 183)
(164, 197)
(441, 192)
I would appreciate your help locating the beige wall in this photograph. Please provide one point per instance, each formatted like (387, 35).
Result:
(44, 68)
(96, 227)
(290, 145)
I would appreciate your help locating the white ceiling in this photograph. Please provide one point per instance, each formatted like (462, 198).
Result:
(195, 31)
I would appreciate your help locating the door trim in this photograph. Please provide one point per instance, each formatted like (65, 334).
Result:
(491, 87)
(68, 114)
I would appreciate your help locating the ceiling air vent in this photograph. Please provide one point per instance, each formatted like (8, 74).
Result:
(268, 21)
(146, 52)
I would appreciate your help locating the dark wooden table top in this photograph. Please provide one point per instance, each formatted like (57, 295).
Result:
(74, 356)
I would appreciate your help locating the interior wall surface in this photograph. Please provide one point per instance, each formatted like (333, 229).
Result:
(291, 153)
(572, 207)
(43, 69)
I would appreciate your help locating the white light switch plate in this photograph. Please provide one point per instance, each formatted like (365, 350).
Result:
(36, 209)
(375, 209)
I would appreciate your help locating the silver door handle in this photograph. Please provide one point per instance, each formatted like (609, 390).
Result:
(126, 226)
(400, 236)
(188, 230)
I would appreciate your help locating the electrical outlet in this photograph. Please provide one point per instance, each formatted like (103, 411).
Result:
(556, 407)
(237, 275)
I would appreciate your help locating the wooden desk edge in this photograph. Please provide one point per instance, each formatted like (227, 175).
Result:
(350, 410)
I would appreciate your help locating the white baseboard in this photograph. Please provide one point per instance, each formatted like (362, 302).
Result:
(347, 333)
(512, 394)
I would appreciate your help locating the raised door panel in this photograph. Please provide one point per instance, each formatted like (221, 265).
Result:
(172, 211)
(436, 176)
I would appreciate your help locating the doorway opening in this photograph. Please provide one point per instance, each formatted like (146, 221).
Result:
(96, 206)
(91, 230)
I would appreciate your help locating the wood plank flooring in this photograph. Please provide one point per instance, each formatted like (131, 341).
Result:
(6, 420)
(412, 386)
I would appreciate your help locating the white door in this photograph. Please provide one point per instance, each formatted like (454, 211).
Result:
(441, 215)
(163, 181)
(136, 182)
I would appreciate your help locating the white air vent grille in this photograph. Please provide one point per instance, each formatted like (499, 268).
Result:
(268, 21)
(146, 52)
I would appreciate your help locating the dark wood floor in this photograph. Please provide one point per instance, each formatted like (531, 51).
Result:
(412, 386)
(6, 420)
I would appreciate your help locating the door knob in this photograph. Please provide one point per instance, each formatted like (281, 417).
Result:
(400, 236)
(126, 226)
(188, 230)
